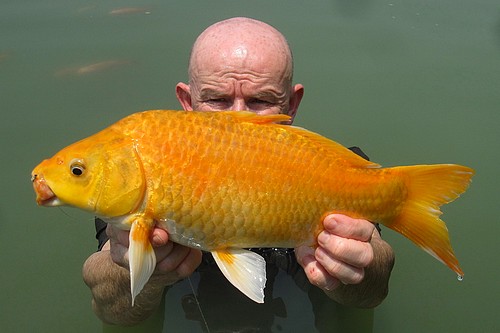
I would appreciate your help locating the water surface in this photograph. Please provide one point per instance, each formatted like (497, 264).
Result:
(409, 82)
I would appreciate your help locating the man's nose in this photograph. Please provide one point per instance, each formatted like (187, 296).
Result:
(239, 105)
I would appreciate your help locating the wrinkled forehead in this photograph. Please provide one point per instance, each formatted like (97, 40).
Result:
(240, 59)
(252, 48)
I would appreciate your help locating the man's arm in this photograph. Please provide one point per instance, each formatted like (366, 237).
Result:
(352, 264)
(110, 287)
(365, 286)
(107, 275)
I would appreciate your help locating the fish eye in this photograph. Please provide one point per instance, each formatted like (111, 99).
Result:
(77, 168)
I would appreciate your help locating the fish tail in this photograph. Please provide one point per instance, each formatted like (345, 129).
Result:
(429, 187)
(142, 259)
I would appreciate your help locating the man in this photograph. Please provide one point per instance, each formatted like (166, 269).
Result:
(242, 64)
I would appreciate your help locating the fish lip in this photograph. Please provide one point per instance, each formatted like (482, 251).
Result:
(51, 202)
(44, 194)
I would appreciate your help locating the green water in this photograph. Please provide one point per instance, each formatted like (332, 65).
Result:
(408, 81)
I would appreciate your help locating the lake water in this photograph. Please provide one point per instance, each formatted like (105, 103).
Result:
(408, 81)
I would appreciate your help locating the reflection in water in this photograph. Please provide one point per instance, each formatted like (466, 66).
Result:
(130, 10)
(4, 56)
(92, 68)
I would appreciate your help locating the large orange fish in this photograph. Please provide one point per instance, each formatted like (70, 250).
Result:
(226, 181)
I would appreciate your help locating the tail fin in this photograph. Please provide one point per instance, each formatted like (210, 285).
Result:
(429, 187)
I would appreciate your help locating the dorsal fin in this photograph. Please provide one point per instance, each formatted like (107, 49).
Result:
(254, 118)
(342, 154)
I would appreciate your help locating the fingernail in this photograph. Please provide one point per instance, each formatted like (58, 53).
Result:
(331, 220)
(323, 237)
(157, 240)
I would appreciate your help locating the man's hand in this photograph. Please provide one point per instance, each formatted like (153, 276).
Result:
(173, 261)
(106, 272)
(344, 255)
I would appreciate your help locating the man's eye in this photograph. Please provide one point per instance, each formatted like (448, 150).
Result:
(260, 101)
(260, 105)
(218, 103)
(216, 100)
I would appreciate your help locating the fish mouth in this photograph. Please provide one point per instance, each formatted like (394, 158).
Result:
(44, 194)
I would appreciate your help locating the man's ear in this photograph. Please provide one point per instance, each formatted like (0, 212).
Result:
(183, 93)
(295, 98)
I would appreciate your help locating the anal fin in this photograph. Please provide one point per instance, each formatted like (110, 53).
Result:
(246, 270)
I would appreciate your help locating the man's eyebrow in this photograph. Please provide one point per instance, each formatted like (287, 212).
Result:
(208, 92)
(264, 94)
(270, 94)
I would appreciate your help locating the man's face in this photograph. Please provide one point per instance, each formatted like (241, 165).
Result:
(240, 80)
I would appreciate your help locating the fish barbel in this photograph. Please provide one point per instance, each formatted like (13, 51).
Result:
(226, 181)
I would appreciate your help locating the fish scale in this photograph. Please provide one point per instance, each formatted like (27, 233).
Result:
(225, 181)
(257, 170)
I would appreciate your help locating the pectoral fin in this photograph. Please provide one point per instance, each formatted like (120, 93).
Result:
(246, 270)
(142, 259)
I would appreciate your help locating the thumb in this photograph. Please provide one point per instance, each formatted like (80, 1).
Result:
(347, 227)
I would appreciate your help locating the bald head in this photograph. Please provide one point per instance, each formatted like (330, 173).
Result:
(243, 42)
(240, 64)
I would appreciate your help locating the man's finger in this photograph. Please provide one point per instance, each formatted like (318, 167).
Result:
(159, 237)
(344, 226)
(118, 235)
